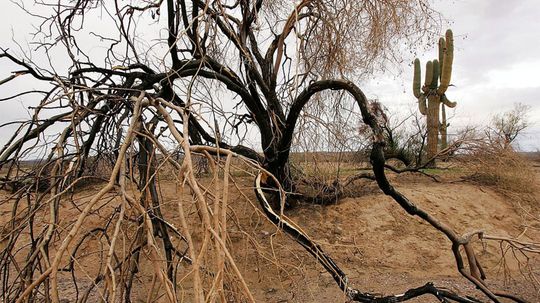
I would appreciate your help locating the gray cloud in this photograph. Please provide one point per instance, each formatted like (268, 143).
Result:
(497, 59)
(496, 64)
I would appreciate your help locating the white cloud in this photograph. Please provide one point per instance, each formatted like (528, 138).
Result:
(520, 75)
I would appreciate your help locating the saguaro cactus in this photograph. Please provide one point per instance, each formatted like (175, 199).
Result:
(435, 92)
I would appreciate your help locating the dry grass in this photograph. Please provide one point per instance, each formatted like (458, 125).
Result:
(504, 168)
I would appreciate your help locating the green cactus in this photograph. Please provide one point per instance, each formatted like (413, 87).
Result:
(416, 81)
(442, 45)
(448, 59)
(432, 95)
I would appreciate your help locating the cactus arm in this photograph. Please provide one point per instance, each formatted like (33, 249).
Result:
(442, 50)
(429, 74)
(416, 80)
(435, 79)
(422, 107)
(447, 102)
(446, 73)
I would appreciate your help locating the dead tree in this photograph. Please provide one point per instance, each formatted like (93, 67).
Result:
(136, 106)
(506, 127)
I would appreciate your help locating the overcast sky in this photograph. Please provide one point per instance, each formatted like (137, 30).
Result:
(496, 63)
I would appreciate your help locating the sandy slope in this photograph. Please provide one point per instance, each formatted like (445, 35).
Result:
(384, 250)
(380, 247)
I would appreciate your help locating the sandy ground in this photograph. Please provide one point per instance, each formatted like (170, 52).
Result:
(381, 248)
(385, 251)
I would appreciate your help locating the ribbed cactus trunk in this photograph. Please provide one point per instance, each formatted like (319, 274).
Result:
(432, 126)
(443, 128)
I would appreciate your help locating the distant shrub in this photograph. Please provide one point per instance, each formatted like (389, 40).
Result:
(495, 165)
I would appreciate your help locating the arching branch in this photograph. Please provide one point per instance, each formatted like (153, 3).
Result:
(378, 162)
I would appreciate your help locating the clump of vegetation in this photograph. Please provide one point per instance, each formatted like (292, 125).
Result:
(493, 160)
(490, 164)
